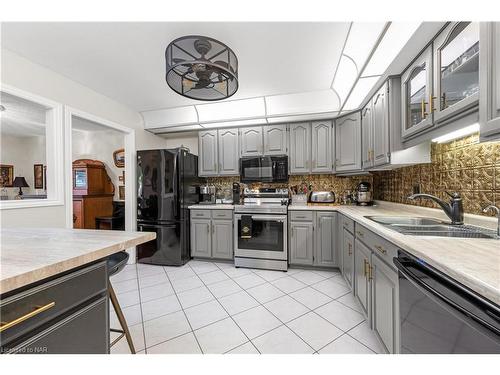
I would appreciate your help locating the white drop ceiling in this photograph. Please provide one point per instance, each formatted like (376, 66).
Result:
(20, 117)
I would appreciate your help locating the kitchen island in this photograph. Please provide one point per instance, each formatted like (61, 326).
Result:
(53, 287)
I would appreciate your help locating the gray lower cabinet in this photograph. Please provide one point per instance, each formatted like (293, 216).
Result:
(348, 143)
(325, 253)
(66, 314)
(251, 141)
(348, 256)
(362, 255)
(228, 152)
(301, 243)
(489, 81)
(299, 157)
(385, 305)
(275, 140)
(212, 234)
(222, 239)
(208, 153)
(321, 147)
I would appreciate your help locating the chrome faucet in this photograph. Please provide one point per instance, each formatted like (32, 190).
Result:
(454, 210)
(494, 208)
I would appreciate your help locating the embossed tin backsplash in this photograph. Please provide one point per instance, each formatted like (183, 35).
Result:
(463, 165)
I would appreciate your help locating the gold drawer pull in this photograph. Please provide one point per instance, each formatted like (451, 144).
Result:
(381, 249)
(38, 310)
(359, 233)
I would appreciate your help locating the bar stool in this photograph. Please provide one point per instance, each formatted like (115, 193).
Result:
(116, 262)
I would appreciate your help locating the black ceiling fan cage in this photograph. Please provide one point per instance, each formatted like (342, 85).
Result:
(201, 68)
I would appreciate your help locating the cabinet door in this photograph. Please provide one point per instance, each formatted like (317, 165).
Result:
(380, 135)
(325, 251)
(348, 143)
(367, 135)
(321, 150)
(300, 148)
(348, 256)
(222, 239)
(207, 150)
(416, 90)
(361, 274)
(456, 69)
(275, 140)
(489, 102)
(201, 238)
(228, 152)
(385, 312)
(301, 243)
(251, 141)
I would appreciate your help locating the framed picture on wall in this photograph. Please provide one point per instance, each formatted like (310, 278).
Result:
(38, 176)
(121, 192)
(119, 158)
(6, 175)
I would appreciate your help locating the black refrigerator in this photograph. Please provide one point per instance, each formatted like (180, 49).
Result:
(167, 184)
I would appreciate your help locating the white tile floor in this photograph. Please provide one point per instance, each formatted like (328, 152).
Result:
(213, 307)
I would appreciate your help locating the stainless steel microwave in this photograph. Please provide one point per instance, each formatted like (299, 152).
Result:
(264, 169)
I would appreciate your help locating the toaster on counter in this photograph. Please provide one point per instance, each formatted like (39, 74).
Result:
(322, 197)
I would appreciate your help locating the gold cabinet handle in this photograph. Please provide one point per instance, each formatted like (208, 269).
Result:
(38, 310)
(370, 271)
(365, 268)
(349, 252)
(431, 103)
(359, 233)
(208, 228)
(381, 249)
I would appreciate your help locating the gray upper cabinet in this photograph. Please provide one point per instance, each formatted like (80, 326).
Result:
(380, 127)
(456, 70)
(201, 244)
(416, 90)
(222, 239)
(489, 103)
(385, 305)
(207, 150)
(300, 148)
(325, 253)
(321, 150)
(275, 140)
(367, 135)
(301, 243)
(228, 152)
(251, 141)
(348, 143)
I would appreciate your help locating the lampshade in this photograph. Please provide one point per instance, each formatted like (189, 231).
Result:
(20, 182)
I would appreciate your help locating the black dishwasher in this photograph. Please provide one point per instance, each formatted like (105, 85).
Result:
(439, 315)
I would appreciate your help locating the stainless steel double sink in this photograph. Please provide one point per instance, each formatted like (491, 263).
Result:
(424, 226)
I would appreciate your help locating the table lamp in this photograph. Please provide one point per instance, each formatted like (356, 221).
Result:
(20, 182)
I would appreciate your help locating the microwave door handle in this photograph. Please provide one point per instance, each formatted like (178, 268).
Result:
(441, 299)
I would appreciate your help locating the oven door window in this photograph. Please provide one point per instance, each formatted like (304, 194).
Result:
(266, 236)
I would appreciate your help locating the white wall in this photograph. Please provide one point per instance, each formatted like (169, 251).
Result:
(26, 75)
(100, 145)
(23, 153)
(189, 140)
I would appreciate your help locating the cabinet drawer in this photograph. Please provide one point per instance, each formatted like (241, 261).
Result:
(301, 216)
(380, 246)
(201, 214)
(52, 299)
(222, 214)
(348, 224)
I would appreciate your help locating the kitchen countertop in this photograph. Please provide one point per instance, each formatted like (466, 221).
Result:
(472, 262)
(218, 206)
(29, 255)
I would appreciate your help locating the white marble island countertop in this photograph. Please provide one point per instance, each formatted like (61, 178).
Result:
(28, 255)
(473, 262)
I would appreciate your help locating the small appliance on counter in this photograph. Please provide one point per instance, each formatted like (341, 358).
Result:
(207, 194)
(363, 194)
(321, 197)
(236, 193)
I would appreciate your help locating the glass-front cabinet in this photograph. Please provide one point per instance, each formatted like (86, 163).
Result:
(416, 91)
(456, 72)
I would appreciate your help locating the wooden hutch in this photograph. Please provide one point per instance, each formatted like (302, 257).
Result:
(93, 193)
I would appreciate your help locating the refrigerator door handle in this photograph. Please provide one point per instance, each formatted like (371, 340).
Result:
(174, 186)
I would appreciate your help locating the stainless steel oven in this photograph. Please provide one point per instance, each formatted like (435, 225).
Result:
(264, 169)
